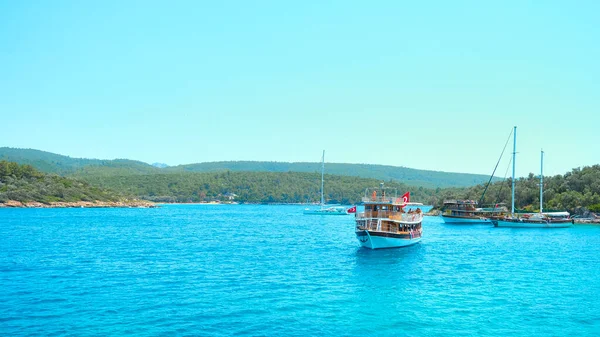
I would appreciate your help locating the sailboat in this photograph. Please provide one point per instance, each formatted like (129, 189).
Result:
(536, 220)
(327, 210)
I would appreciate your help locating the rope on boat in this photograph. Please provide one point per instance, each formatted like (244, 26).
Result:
(492, 176)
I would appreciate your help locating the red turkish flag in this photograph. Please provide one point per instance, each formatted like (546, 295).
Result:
(406, 197)
(351, 209)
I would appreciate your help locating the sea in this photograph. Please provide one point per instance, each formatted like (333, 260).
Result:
(264, 270)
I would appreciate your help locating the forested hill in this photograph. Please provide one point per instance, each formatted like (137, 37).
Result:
(413, 177)
(24, 183)
(251, 187)
(574, 191)
(54, 163)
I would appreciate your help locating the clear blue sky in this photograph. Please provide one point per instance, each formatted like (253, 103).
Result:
(422, 84)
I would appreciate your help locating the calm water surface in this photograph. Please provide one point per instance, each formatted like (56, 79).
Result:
(269, 270)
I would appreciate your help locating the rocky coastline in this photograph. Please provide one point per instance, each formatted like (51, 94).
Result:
(79, 204)
(595, 221)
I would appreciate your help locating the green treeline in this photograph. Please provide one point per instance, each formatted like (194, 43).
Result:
(63, 165)
(413, 177)
(24, 183)
(250, 187)
(573, 191)
(80, 167)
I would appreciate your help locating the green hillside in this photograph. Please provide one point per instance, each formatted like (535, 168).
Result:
(64, 165)
(575, 191)
(253, 187)
(24, 183)
(414, 177)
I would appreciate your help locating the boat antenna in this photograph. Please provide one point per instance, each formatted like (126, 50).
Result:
(322, 178)
(492, 176)
(512, 206)
(502, 185)
(542, 184)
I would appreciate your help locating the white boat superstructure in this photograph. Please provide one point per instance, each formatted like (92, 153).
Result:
(466, 212)
(385, 223)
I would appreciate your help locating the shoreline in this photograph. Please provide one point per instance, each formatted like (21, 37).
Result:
(587, 222)
(79, 204)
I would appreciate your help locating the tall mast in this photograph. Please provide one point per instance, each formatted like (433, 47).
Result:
(322, 177)
(512, 209)
(542, 184)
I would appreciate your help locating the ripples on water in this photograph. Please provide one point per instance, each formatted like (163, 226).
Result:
(269, 270)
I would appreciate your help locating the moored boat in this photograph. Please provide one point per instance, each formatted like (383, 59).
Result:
(466, 212)
(384, 222)
(538, 220)
(323, 208)
(534, 220)
(331, 210)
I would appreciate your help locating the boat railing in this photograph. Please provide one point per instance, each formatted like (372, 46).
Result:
(374, 225)
(382, 199)
(392, 215)
(460, 202)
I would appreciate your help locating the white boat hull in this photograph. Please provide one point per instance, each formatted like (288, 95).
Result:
(525, 224)
(373, 241)
(465, 221)
(325, 212)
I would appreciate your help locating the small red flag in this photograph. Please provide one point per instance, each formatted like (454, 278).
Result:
(406, 197)
(352, 209)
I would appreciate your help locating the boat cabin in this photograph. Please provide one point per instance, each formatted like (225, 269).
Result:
(468, 208)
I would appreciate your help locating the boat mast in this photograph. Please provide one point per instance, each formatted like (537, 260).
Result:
(322, 177)
(542, 184)
(512, 209)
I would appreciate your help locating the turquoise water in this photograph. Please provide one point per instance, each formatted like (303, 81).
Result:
(269, 270)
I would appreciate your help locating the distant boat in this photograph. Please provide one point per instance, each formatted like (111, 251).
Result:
(331, 210)
(536, 220)
(466, 212)
(469, 212)
(324, 209)
(384, 223)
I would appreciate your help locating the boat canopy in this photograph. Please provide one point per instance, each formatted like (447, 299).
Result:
(460, 202)
(383, 195)
(557, 214)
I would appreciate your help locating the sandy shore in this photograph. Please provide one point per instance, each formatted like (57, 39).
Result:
(79, 204)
